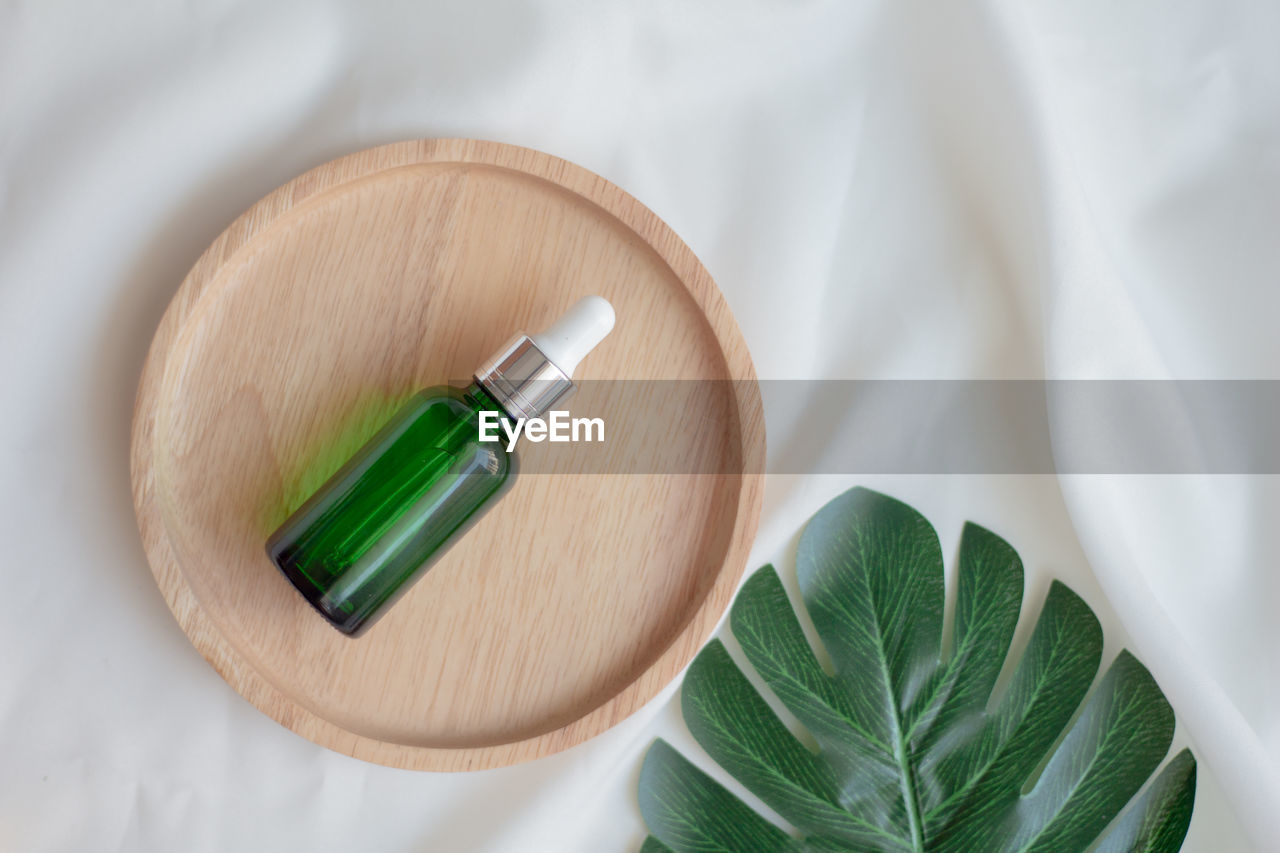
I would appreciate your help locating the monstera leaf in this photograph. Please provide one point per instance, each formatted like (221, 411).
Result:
(904, 741)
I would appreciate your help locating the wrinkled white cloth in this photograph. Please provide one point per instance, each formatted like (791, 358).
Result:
(881, 188)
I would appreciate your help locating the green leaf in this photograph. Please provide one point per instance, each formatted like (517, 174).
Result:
(688, 810)
(1158, 820)
(916, 749)
(653, 845)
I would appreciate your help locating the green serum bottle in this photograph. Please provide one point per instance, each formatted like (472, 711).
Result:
(412, 490)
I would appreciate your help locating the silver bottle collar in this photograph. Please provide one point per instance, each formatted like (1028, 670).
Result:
(523, 380)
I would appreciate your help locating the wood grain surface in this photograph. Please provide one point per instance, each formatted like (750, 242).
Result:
(305, 324)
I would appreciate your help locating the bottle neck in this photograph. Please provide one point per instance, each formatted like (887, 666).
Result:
(483, 401)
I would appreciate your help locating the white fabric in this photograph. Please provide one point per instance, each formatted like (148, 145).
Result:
(882, 189)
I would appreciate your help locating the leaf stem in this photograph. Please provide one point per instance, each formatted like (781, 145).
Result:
(908, 787)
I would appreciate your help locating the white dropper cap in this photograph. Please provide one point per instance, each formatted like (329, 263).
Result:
(568, 340)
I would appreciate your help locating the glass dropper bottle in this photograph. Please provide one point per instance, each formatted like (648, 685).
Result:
(381, 521)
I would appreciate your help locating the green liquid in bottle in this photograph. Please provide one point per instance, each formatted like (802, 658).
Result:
(379, 523)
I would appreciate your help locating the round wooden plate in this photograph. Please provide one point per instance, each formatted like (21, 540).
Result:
(579, 596)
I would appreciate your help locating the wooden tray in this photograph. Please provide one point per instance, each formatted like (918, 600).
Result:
(578, 597)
